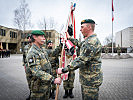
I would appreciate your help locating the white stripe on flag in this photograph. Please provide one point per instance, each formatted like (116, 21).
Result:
(69, 44)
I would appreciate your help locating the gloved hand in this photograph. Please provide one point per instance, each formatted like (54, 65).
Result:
(57, 81)
(70, 30)
(72, 50)
(63, 70)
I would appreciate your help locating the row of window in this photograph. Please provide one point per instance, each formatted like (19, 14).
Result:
(23, 36)
(48, 34)
(2, 32)
(13, 34)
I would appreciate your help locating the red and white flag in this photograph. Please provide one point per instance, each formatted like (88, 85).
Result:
(68, 43)
(112, 11)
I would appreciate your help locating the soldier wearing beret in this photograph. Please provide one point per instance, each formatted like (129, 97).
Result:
(88, 62)
(50, 44)
(27, 71)
(54, 60)
(118, 50)
(40, 67)
(106, 50)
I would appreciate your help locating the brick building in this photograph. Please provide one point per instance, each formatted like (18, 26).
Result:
(14, 39)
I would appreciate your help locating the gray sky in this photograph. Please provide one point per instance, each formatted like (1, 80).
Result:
(98, 10)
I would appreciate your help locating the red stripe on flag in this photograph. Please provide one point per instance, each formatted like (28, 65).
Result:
(112, 11)
(69, 44)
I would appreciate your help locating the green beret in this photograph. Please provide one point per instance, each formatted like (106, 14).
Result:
(88, 21)
(49, 41)
(37, 32)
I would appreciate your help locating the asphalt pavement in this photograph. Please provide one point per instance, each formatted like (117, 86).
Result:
(117, 84)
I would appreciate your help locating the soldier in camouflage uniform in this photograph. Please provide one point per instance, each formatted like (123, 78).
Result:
(40, 68)
(68, 84)
(106, 50)
(118, 50)
(88, 62)
(54, 60)
(25, 51)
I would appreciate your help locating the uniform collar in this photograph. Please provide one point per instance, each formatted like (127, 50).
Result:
(93, 35)
(37, 48)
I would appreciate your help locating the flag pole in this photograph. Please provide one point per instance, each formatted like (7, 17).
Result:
(112, 27)
(112, 36)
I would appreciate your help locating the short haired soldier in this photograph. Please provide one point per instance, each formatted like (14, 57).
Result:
(50, 44)
(54, 60)
(40, 67)
(27, 71)
(118, 50)
(106, 50)
(88, 62)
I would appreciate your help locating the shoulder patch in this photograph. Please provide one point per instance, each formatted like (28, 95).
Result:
(31, 61)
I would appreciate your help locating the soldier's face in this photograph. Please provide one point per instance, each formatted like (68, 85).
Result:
(40, 39)
(85, 29)
(50, 45)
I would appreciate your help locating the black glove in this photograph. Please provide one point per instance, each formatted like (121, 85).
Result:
(52, 80)
(70, 30)
(72, 50)
(64, 70)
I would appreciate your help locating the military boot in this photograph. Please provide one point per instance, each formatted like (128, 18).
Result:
(53, 94)
(66, 94)
(71, 93)
(28, 98)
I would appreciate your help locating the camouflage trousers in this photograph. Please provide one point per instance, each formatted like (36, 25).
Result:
(28, 75)
(53, 87)
(69, 84)
(89, 92)
(39, 90)
(39, 96)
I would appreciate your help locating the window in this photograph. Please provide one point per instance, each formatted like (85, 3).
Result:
(10, 34)
(13, 34)
(46, 34)
(4, 32)
(49, 34)
(0, 32)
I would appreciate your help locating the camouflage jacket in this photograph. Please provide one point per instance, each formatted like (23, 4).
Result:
(89, 61)
(54, 60)
(25, 51)
(39, 64)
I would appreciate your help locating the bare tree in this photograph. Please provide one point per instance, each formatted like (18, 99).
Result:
(52, 23)
(108, 41)
(43, 24)
(22, 16)
(47, 24)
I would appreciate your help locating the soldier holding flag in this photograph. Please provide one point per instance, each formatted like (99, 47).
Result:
(40, 68)
(88, 62)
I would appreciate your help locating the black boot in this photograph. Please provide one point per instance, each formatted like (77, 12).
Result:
(53, 94)
(71, 93)
(66, 94)
(28, 98)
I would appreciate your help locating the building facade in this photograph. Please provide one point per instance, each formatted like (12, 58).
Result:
(14, 39)
(124, 38)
